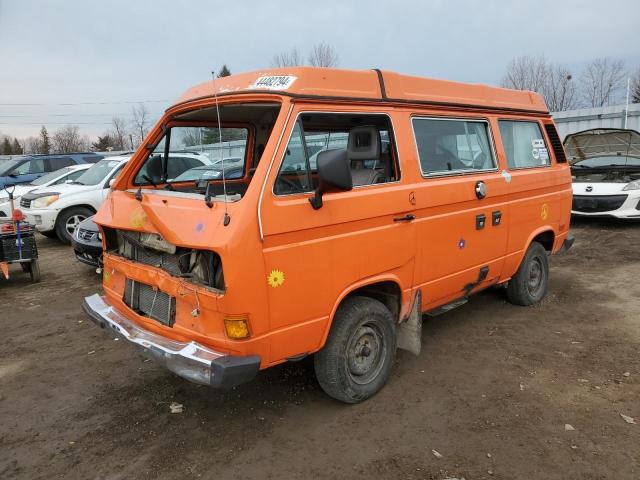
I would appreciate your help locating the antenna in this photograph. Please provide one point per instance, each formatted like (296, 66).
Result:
(227, 218)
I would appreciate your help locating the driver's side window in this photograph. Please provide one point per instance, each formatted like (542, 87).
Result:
(294, 176)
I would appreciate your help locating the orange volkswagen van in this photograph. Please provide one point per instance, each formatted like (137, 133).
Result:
(337, 207)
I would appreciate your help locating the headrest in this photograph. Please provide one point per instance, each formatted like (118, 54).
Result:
(363, 144)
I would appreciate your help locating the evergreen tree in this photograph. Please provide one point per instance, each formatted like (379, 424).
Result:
(45, 141)
(224, 71)
(104, 143)
(6, 147)
(17, 148)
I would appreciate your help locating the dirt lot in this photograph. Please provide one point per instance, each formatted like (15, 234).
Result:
(491, 392)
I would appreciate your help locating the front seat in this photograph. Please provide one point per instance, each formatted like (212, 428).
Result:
(364, 144)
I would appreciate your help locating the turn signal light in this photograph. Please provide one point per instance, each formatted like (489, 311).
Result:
(237, 327)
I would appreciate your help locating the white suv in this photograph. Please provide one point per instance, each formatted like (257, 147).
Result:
(64, 175)
(57, 211)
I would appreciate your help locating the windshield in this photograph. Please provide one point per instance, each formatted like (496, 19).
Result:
(6, 168)
(98, 172)
(213, 172)
(191, 147)
(608, 161)
(50, 177)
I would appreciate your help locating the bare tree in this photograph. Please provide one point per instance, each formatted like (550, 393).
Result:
(140, 115)
(292, 58)
(323, 55)
(68, 139)
(119, 133)
(560, 90)
(602, 81)
(31, 145)
(527, 73)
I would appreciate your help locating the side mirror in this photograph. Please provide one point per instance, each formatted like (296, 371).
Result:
(334, 174)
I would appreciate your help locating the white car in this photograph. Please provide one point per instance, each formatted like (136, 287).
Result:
(64, 175)
(58, 210)
(605, 167)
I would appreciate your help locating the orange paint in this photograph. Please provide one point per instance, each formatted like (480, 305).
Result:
(287, 266)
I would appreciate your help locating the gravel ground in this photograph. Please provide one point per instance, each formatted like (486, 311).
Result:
(499, 391)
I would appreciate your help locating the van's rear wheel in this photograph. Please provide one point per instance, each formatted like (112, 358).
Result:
(529, 284)
(357, 358)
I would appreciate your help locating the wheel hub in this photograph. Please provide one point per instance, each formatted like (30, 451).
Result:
(365, 355)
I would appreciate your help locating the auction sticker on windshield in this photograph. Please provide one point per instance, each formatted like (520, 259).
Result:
(276, 82)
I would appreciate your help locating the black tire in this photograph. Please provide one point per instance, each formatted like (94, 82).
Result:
(50, 234)
(363, 328)
(70, 215)
(34, 270)
(529, 284)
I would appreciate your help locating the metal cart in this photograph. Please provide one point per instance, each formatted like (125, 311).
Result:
(18, 243)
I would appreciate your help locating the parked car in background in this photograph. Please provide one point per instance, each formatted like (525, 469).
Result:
(58, 210)
(605, 167)
(27, 168)
(64, 175)
(87, 243)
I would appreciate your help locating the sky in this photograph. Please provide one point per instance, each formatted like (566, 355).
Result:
(82, 62)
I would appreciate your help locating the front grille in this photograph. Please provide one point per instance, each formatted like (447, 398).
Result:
(86, 235)
(198, 266)
(25, 202)
(597, 203)
(151, 303)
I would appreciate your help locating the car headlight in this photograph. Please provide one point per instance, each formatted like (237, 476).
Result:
(42, 202)
(635, 185)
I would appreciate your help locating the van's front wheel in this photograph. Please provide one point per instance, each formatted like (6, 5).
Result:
(356, 361)
(529, 284)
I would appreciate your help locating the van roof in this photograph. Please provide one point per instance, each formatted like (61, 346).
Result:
(368, 85)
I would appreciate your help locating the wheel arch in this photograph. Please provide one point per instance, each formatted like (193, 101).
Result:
(81, 205)
(384, 288)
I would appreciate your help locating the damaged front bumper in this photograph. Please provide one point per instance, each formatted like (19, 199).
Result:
(189, 360)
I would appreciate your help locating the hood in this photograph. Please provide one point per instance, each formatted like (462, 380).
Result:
(62, 189)
(88, 224)
(600, 142)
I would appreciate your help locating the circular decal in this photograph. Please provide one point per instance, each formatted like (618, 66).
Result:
(535, 153)
(275, 278)
(544, 213)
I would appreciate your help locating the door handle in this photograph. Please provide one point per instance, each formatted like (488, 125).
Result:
(407, 218)
(481, 190)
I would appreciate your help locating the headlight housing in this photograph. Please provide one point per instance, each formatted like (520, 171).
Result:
(43, 202)
(635, 185)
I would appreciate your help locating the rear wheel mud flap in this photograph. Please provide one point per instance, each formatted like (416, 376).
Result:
(410, 331)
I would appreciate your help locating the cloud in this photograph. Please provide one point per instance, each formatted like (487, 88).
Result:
(78, 51)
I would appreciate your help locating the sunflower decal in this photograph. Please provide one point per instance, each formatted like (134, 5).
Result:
(275, 278)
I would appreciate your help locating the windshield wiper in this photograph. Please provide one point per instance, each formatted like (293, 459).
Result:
(148, 179)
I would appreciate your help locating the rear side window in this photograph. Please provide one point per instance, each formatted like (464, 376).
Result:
(452, 146)
(60, 162)
(523, 144)
(92, 158)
